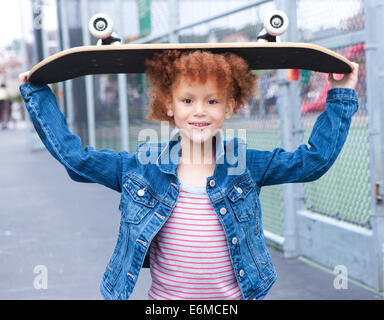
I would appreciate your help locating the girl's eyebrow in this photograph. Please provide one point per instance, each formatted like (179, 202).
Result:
(186, 93)
(190, 94)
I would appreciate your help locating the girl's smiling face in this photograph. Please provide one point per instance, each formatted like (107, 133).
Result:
(199, 109)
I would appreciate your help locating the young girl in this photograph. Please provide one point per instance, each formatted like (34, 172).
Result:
(184, 204)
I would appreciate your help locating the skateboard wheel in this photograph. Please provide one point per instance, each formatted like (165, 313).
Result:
(276, 22)
(100, 26)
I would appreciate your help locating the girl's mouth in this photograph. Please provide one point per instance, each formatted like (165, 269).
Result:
(199, 125)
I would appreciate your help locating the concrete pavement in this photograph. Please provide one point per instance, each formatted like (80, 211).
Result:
(67, 229)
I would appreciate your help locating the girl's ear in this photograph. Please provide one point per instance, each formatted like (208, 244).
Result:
(229, 109)
(169, 109)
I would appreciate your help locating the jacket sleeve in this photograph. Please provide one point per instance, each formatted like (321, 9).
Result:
(325, 143)
(82, 164)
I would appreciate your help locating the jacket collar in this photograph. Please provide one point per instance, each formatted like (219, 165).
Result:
(170, 155)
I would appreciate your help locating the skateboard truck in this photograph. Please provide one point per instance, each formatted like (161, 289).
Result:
(275, 24)
(101, 27)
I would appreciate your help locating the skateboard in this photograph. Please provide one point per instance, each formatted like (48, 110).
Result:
(109, 56)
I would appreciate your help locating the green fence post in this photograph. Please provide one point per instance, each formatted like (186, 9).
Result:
(291, 135)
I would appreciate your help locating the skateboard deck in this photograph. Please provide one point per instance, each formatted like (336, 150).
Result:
(130, 58)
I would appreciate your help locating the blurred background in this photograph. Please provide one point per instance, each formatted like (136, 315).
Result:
(335, 221)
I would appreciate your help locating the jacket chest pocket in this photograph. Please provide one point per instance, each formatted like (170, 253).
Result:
(243, 199)
(137, 200)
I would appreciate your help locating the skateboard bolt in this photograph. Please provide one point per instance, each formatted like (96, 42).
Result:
(277, 21)
(100, 24)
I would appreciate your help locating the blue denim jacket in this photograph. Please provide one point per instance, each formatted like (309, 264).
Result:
(149, 186)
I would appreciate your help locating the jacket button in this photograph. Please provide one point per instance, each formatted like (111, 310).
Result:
(239, 190)
(234, 240)
(212, 183)
(223, 211)
(241, 273)
(140, 193)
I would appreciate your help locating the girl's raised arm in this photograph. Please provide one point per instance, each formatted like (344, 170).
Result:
(310, 162)
(82, 164)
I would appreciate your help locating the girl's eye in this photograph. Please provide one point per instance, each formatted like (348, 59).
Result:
(212, 101)
(187, 101)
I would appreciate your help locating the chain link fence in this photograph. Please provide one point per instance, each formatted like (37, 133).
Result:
(328, 18)
(343, 192)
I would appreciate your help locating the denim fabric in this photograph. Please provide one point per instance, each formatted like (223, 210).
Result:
(149, 186)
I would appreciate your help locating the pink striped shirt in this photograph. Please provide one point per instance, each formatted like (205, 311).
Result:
(189, 256)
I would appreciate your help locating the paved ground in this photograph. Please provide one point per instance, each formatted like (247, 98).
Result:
(69, 228)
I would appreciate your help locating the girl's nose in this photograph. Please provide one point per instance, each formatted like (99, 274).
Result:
(199, 108)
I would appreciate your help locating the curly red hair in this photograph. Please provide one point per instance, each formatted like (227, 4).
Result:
(231, 72)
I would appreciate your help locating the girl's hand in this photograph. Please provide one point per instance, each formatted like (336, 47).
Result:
(348, 81)
(23, 77)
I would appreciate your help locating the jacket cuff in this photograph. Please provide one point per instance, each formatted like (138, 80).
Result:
(347, 98)
(342, 94)
(26, 89)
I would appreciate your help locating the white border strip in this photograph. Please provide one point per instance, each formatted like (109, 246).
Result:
(337, 223)
(274, 237)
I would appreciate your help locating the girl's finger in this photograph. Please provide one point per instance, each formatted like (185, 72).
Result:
(23, 77)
